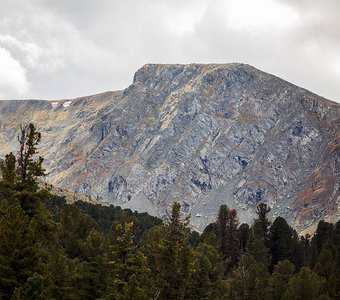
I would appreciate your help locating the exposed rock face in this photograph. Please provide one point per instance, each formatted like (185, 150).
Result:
(202, 135)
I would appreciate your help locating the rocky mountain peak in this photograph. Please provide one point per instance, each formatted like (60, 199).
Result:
(163, 77)
(199, 134)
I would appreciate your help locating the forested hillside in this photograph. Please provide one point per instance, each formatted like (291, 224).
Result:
(52, 250)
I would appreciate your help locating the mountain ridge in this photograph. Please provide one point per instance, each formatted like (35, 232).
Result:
(199, 134)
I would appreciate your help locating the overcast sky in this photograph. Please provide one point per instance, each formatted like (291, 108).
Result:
(57, 49)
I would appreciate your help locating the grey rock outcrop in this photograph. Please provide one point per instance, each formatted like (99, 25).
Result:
(202, 135)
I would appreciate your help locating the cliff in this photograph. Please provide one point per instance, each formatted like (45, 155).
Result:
(202, 135)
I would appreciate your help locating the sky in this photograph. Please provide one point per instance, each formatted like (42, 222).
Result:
(58, 49)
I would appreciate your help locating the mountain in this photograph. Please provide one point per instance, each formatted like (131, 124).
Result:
(199, 134)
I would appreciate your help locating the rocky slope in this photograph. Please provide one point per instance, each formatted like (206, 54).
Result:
(198, 134)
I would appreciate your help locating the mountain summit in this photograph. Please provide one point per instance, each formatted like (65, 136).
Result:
(199, 134)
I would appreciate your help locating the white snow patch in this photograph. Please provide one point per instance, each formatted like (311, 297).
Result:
(67, 103)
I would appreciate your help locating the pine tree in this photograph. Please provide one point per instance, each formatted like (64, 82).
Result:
(61, 274)
(322, 233)
(29, 168)
(33, 289)
(152, 246)
(306, 250)
(91, 282)
(20, 175)
(222, 223)
(175, 257)
(326, 266)
(19, 250)
(248, 281)
(278, 281)
(75, 227)
(304, 285)
(262, 211)
(9, 180)
(256, 245)
(207, 276)
(27, 231)
(210, 236)
(169, 256)
(227, 232)
(281, 240)
(127, 266)
(233, 238)
(244, 233)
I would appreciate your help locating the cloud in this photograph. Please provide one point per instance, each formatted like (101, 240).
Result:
(13, 80)
(32, 55)
(259, 16)
(182, 21)
(73, 48)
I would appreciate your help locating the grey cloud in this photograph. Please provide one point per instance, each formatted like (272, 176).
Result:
(74, 48)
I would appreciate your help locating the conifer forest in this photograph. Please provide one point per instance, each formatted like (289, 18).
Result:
(53, 250)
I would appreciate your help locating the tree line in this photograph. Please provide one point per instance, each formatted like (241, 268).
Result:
(52, 250)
